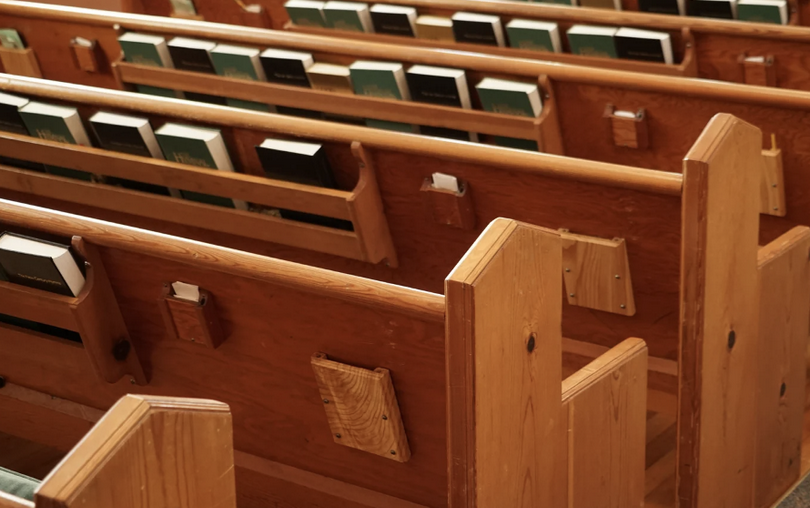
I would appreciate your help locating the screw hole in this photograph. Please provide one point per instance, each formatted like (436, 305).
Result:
(326, 401)
(393, 452)
(782, 390)
(531, 342)
(732, 339)
(384, 417)
(337, 436)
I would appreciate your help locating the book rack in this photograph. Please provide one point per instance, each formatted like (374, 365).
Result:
(94, 314)
(416, 113)
(22, 62)
(370, 241)
(631, 132)
(686, 68)
(759, 71)
(87, 57)
(196, 322)
(449, 208)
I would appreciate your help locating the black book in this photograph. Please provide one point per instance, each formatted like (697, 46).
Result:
(303, 163)
(208, 99)
(192, 55)
(443, 132)
(303, 113)
(53, 331)
(11, 121)
(438, 85)
(722, 9)
(478, 29)
(644, 45)
(394, 20)
(675, 7)
(286, 67)
(40, 264)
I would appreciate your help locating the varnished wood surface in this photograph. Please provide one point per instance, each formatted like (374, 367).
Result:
(719, 316)
(27, 457)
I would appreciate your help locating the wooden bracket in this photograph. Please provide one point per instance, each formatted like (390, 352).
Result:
(22, 62)
(689, 61)
(361, 408)
(758, 70)
(196, 322)
(93, 314)
(547, 125)
(772, 188)
(86, 55)
(367, 213)
(629, 129)
(596, 272)
(449, 208)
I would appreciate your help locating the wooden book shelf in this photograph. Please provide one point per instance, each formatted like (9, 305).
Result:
(417, 113)
(370, 241)
(94, 314)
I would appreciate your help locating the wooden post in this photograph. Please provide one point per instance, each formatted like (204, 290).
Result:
(718, 345)
(504, 356)
(784, 300)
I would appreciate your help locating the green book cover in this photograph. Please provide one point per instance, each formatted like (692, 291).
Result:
(520, 144)
(593, 41)
(559, 2)
(60, 124)
(385, 80)
(178, 147)
(239, 63)
(350, 16)
(533, 35)
(763, 11)
(156, 90)
(306, 13)
(10, 38)
(183, 7)
(150, 50)
(511, 98)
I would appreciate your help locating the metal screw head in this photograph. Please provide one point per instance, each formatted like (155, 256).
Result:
(384, 417)
(732, 338)
(393, 452)
(571, 295)
(326, 401)
(617, 276)
(775, 208)
(782, 390)
(531, 342)
(773, 185)
(567, 270)
(337, 436)
(622, 306)
(132, 380)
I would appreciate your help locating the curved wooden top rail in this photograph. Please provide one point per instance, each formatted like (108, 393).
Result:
(552, 165)
(421, 304)
(430, 56)
(552, 12)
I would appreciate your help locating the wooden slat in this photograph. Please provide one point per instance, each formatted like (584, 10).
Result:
(9, 501)
(504, 368)
(37, 305)
(784, 323)
(717, 422)
(606, 403)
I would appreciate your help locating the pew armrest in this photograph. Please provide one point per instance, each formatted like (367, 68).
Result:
(176, 452)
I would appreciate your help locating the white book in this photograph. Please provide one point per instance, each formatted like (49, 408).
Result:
(38, 262)
(70, 117)
(186, 291)
(13, 100)
(228, 50)
(501, 89)
(489, 24)
(445, 182)
(662, 38)
(349, 12)
(142, 125)
(186, 43)
(550, 27)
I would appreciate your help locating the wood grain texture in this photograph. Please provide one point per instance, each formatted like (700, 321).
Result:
(597, 274)
(20, 61)
(784, 321)
(192, 321)
(447, 207)
(772, 187)
(504, 368)
(607, 404)
(175, 452)
(717, 427)
(361, 407)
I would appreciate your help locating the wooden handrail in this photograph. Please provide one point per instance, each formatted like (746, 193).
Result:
(544, 164)
(426, 305)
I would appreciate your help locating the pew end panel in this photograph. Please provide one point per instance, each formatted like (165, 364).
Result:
(94, 314)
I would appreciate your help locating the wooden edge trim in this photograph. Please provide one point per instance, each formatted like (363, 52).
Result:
(57, 404)
(613, 175)
(603, 365)
(9, 501)
(420, 304)
(773, 250)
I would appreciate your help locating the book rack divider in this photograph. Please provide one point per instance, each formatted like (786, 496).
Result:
(417, 113)
(94, 314)
(370, 241)
(22, 62)
(196, 322)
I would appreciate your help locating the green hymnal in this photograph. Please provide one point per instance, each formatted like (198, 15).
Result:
(198, 146)
(593, 41)
(385, 80)
(183, 7)
(306, 13)
(351, 16)
(511, 98)
(10, 38)
(151, 50)
(533, 35)
(57, 123)
(241, 63)
(763, 11)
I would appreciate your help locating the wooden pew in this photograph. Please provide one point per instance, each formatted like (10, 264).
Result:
(145, 451)
(706, 48)
(655, 248)
(672, 112)
(351, 392)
